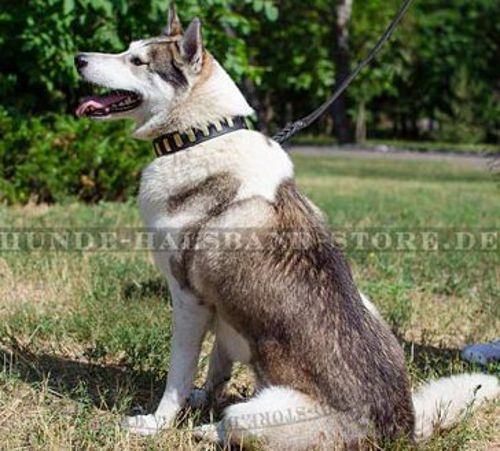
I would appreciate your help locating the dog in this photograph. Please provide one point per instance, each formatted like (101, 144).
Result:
(330, 374)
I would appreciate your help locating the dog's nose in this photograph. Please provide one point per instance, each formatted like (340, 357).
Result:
(80, 62)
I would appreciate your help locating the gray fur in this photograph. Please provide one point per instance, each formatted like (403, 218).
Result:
(304, 319)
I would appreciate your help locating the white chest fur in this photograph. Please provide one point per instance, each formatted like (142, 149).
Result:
(256, 161)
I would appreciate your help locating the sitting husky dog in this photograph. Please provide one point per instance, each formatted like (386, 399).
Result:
(330, 374)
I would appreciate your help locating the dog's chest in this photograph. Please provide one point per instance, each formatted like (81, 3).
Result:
(193, 189)
(182, 189)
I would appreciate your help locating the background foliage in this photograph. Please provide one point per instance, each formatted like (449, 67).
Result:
(55, 158)
(437, 79)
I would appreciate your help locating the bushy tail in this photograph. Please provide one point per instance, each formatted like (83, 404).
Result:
(444, 402)
(438, 404)
(276, 418)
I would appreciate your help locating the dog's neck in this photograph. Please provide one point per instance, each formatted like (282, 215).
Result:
(215, 96)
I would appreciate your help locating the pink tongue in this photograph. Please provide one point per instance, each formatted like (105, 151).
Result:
(99, 102)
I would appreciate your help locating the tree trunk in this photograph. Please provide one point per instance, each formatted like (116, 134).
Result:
(361, 123)
(341, 57)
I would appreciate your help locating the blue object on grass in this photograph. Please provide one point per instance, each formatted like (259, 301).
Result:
(483, 353)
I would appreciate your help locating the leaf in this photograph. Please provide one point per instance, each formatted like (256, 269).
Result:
(258, 5)
(68, 6)
(122, 6)
(103, 5)
(271, 11)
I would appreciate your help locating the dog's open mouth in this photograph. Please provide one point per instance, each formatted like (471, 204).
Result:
(110, 103)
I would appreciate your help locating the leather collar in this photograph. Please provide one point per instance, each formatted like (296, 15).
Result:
(171, 143)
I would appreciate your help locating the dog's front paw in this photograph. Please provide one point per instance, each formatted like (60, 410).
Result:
(144, 424)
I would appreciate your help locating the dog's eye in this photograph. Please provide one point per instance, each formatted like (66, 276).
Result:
(136, 61)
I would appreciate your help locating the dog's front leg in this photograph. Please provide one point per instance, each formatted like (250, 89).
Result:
(190, 323)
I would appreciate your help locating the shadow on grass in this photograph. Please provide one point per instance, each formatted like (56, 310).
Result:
(112, 387)
(108, 387)
(427, 358)
(156, 288)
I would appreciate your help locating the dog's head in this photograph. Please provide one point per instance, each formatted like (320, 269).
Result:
(148, 79)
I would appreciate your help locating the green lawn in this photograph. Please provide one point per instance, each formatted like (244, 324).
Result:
(84, 336)
(418, 146)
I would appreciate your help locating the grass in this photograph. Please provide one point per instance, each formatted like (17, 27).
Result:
(417, 146)
(84, 336)
(437, 146)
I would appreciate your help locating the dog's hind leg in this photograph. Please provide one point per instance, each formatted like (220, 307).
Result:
(229, 347)
(276, 418)
(219, 372)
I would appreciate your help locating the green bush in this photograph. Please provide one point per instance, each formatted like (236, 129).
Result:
(441, 64)
(53, 158)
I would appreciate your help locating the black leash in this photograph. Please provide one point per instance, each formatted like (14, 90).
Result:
(292, 129)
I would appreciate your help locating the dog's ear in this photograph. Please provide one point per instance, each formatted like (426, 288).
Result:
(174, 26)
(191, 46)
